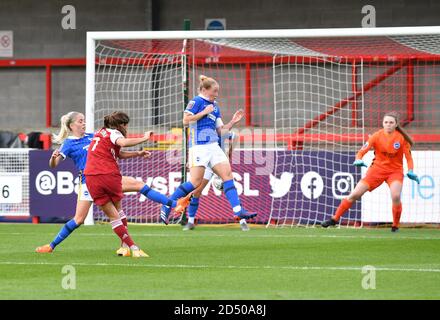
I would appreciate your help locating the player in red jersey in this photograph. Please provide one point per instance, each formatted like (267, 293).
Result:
(390, 144)
(104, 178)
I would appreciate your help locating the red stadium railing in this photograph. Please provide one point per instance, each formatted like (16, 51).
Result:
(407, 63)
(48, 64)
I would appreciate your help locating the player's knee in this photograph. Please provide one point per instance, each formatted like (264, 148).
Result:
(138, 185)
(197, 193)
(354, 197)
(130, 186)
(227, 175)
(79, 220)
(196, 182)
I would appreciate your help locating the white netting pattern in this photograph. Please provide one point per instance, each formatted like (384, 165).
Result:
(15, 162)
(319, 98)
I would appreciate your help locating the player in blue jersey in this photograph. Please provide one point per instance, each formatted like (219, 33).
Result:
(216, 182)
(205, 124)
(75, 142)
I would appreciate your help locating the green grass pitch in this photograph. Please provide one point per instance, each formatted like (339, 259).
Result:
(222, 263)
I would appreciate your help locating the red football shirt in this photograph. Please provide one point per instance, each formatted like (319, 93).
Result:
(103, 153)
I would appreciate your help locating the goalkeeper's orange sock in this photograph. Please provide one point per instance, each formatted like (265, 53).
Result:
(343, 207)
(397, 212)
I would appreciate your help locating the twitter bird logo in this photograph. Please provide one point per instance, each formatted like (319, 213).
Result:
(280, 187)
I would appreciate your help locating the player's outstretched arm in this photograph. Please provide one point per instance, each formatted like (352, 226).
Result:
(238, 115)
(224, 129)
(55, 159)
(134, 154)
(130, 142)
(365, 148)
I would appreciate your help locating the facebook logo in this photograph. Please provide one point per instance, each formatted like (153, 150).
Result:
(312, 185)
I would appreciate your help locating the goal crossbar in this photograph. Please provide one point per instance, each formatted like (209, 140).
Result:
(278, 33)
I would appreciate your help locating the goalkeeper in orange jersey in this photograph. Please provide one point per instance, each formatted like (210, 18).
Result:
(389, 144)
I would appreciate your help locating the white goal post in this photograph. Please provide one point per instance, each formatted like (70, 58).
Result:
(311, 97)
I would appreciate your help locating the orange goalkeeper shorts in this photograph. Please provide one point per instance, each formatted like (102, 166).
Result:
(375, 177)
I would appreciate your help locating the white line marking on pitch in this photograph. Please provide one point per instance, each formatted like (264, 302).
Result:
(238, 234)
(305, 268)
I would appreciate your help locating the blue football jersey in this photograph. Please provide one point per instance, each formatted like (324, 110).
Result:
(76, 149)
(204, 130)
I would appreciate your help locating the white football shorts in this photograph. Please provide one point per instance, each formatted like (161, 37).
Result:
(206, 155)
(84, 193)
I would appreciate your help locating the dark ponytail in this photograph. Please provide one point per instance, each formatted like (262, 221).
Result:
(402, 131)
(115, 120)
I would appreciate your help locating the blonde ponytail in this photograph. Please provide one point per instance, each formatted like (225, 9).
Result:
(66, 120)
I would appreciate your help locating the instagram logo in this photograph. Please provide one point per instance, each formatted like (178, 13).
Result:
(342, 184)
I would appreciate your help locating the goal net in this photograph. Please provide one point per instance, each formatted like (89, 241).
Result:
(311, 98)
(14, 182)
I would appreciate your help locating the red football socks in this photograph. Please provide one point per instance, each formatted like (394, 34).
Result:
(123, 218)
(122, 232)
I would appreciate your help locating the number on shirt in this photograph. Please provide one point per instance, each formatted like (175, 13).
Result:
(96, 143)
